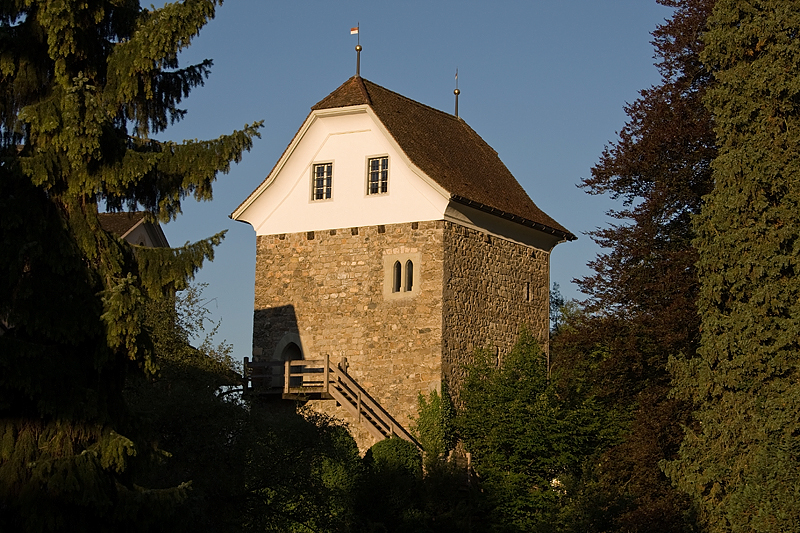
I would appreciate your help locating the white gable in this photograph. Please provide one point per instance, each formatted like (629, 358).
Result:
(347, 138)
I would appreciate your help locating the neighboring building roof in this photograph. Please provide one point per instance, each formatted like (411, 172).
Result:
(124, 224)
(446, 149)
(120, 223)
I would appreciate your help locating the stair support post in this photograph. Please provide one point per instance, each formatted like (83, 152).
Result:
(287, 369)
(327, 371)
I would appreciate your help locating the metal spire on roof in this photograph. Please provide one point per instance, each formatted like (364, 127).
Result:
(456, 92)
(358, 48)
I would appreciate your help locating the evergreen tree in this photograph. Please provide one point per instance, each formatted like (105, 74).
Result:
(641, 306)
(253, 467)
(557, 302)
(741, 461)
(84, 85)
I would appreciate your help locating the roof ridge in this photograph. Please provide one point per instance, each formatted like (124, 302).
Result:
(363, 88)
(412, 101)
(349, 93)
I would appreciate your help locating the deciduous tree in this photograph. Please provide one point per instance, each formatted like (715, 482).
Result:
(254, 465)
(528, 443)
(641, 306)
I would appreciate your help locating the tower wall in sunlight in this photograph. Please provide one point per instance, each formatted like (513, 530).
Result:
(339, 292)
(328, 292)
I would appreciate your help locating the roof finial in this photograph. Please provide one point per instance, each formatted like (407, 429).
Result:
(456, 92)
(354, 31)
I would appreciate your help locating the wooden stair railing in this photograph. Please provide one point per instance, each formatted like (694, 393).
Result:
(308, 379)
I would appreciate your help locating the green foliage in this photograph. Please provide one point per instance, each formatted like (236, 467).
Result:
(391, 493)
(528, 444)
(433, 427)
(395, 455)
(251, 466)
(641, 305)
(741, 459)
(301, 472)
(622, 489)
(84, 86)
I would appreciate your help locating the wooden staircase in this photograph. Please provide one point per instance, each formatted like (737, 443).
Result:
(319, 379)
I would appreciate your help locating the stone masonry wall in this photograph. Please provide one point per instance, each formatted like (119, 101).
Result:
(492, 287)
(326, 290)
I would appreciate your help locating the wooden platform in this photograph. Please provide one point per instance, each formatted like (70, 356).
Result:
(319, 379)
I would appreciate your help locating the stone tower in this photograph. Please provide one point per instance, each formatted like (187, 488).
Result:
(390, 234)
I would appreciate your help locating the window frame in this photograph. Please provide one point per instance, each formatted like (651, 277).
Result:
(396, 282)
(326, 188)
(368, 179)
(397, 277)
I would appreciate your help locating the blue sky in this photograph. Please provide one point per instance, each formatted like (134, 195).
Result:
(544, 82)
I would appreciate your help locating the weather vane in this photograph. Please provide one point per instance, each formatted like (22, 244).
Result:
(354, 31)
(456, 92)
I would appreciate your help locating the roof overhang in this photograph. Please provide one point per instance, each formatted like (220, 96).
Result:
(562, 235)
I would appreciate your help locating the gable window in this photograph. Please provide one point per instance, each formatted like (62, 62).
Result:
(378, 175)
(322, 181)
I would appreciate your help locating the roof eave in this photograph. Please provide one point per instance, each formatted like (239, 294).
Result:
(566, 235)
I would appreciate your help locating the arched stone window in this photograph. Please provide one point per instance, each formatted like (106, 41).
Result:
(409, 276)
(402, 274)
(397, 275)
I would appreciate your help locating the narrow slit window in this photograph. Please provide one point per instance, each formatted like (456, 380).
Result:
(396, 277)
(323, 181)
(378, 168)
(409, 276)
(402, 275)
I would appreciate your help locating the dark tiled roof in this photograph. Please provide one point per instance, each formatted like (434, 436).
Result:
(445, 148)
(120, 223)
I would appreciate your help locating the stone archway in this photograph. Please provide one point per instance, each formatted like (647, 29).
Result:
(291, 352)
(289, 349)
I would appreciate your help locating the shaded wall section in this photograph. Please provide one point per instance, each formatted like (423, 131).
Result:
(492, 287)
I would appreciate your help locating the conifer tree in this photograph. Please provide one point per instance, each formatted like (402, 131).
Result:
(741, 461)
(641, 306)
(84, 85)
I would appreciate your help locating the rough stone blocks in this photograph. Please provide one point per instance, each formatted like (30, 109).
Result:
(329, 292)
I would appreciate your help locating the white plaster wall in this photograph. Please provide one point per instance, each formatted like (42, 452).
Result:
(138, 235)
(347, 140)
